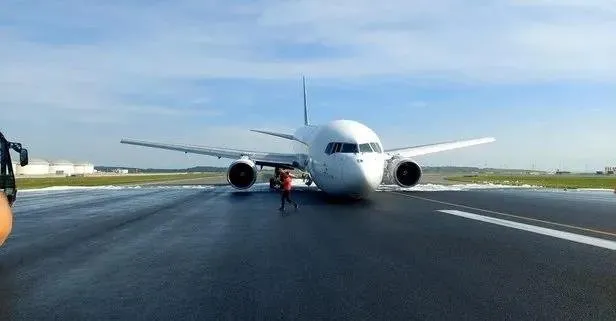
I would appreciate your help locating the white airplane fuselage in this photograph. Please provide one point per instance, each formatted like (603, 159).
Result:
(350, 171)
(342, 157)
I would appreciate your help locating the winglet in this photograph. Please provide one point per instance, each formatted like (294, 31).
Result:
(305, 104)
(281, 135)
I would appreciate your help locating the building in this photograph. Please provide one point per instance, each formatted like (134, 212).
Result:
(83, 169)
(610, 169)
(61, 167)
(36, 166)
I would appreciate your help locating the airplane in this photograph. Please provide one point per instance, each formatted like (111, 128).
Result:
(342, 157)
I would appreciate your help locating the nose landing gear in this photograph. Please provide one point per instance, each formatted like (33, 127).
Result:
(274, 183)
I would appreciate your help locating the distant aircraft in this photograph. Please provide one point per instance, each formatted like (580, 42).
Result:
(342, 157)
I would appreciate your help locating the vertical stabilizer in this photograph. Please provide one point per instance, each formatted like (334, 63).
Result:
(305, 104)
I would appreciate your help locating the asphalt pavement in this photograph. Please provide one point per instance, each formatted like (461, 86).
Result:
(209, 253)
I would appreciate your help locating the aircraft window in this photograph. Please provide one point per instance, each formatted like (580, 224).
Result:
(343, 148)
(365, 148)
(337, 147)
(349, 148)
(329, 148)
(376, 147)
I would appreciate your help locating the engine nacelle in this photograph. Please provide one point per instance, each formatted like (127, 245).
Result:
(242, 173)
(404, 172)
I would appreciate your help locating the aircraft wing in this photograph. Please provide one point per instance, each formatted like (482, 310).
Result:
(260, 158)
(438, 147)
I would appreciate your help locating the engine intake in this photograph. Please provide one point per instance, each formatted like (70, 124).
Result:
(405, 172)
(242, 173)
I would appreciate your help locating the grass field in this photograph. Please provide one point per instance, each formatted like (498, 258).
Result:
(556, 181)
(29, 183)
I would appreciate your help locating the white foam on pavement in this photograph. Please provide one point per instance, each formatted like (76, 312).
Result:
(298, 184)
(594, 190)
(454, 187)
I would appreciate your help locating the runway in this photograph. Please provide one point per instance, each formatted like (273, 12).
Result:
(205, 252)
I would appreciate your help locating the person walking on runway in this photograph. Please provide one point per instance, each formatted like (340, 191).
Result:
(286, 181)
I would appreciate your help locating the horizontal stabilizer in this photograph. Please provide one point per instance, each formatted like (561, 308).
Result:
(281, 135)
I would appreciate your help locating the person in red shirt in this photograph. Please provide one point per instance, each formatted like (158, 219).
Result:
(286, 180)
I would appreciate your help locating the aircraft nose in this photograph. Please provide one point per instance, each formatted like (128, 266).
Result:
(372, 172)
(363, 175)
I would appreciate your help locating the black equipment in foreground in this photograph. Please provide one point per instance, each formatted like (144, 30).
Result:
(7, 176)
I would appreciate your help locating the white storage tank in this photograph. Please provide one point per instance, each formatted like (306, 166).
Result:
(61, 167)
(83, 168)
(36, 166)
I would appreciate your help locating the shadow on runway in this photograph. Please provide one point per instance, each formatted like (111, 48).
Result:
(320, 197)
(304, 197)
(243, 194)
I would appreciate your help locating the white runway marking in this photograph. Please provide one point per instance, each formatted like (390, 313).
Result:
(611, 245)
(506, 214)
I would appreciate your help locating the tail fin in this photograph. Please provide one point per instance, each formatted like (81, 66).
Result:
(305, 104)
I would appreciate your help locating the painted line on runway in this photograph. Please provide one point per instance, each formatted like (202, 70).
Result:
(509, 215)
(607, 244)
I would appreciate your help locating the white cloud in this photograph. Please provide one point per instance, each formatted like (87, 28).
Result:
(453, 39)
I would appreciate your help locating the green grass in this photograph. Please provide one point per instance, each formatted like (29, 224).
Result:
(29, 183)
(555, 181)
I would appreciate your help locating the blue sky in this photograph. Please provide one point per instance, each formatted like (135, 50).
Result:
(539, 76)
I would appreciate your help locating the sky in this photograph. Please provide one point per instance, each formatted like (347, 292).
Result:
(540, 76)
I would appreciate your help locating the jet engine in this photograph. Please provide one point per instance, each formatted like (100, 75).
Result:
(404, 172)
(242, 173)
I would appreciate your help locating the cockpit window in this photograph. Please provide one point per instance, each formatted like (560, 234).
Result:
(349, 148)
(376, 147)
(328, 149)
(335, 147)
(365, 148)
